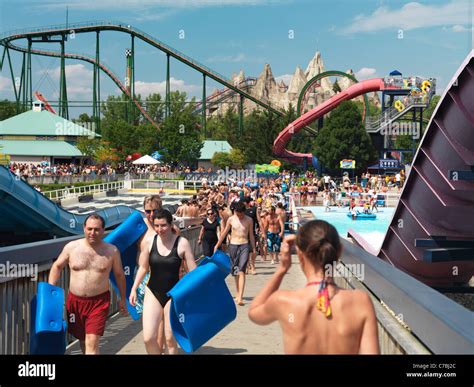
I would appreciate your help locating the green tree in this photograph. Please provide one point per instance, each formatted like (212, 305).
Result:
(7, 109)
(120, 135)
(119, 108)
(146, 138)
(237, 158)
(336, 88)
(221, 159)
(428, 112)
(344, 137)
(406, 141)
(155, 107)
(88, 146)
(180, 137)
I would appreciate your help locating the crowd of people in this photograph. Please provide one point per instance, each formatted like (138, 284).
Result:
(26, 170)
(244, 219)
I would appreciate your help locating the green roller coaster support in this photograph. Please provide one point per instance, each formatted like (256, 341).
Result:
(11, 73)
(324, 75)
(54, 31)
(23, 81)
(94, 92)
(241, 115)
(167, 97)
(63, 105)
(97, 55)
(132, 79)
(203, 123)
(21, 90)
(29, 79)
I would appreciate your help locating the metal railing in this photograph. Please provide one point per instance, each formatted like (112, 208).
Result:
(67, 193)
(70, 179)
(376, 123)
(155, 184)
(16, 293)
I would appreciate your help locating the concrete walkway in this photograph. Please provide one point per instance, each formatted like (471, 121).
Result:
(124, 336)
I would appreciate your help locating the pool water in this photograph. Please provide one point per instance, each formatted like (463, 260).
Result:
(372, 230)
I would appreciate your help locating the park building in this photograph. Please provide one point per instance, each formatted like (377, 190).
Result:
(38, 135)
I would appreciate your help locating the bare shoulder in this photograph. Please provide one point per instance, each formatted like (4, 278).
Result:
(110, 248)
(358, 298)
(73, 244)
(183, 242)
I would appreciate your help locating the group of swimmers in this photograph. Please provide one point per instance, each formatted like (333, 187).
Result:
(326, 318)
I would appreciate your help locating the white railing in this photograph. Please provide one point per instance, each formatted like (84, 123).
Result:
(156, 184)
(72, 192)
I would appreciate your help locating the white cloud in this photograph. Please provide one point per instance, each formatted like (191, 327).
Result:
(147, 88)
(411, 16)
(78, 80)
(6, 84)
(147, 4)
(285, 78)
(365, 73)
(227, 58)
(458, 28)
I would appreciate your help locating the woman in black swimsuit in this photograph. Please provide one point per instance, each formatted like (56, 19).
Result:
(163, 257)
(209, 231)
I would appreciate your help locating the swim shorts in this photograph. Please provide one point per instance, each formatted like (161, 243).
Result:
(273, 242)
(87, 314)
(239, 257)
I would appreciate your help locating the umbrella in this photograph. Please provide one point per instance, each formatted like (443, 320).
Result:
(146, 160)
(395, 73)
(156, 155)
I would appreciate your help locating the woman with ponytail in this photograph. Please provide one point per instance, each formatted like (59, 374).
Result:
(320, 318)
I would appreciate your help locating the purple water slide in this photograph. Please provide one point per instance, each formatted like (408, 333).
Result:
(431, 234)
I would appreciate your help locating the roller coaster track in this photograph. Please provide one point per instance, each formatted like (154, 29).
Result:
(224, 94)
(6, 40)
(102, 66)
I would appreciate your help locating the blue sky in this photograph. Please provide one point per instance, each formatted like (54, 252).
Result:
(428, 38)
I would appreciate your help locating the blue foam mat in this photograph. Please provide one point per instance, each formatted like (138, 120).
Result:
(48, 329)
(201, 303)
(125, 238)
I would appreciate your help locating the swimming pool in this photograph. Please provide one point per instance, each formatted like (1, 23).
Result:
(372, 230)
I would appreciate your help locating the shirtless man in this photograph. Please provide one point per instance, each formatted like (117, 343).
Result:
(274, 230)
(320, 318)
(224, 213)
(280, 211)
(90, 262)
(242, 233)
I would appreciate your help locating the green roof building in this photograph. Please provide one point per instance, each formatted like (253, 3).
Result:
(39, 135)
(207, 152)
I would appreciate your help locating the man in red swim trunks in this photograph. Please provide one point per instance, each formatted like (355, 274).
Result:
(90, 262)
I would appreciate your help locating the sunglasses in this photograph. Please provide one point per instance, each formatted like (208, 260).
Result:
(150, 211)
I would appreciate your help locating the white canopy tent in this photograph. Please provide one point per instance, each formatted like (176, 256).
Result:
(146, 160)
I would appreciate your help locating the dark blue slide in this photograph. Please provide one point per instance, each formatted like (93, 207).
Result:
(25, 209)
